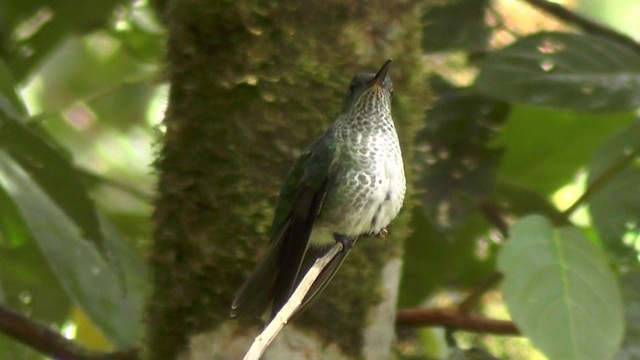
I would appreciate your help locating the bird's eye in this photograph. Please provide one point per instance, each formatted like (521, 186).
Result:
(352, 88)
(391, 92)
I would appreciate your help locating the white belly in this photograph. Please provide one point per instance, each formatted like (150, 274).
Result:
(370, 197)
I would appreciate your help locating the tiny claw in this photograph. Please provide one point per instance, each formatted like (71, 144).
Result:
(382, 234)
(347, 244)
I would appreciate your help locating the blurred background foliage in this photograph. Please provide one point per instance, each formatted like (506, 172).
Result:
(81, 97)
(528, 116)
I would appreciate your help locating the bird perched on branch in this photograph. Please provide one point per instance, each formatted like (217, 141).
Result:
(349, 183)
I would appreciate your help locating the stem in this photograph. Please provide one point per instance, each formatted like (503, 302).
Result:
(601, 181)
(49, 342)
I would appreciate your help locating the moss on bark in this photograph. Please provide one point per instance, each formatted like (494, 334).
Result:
(252, 83)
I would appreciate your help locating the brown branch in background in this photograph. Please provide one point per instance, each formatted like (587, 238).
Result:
(49, 342)
(589, 26)
(453, 319)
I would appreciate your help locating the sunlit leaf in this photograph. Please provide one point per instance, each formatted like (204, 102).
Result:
(615, 205)
(561, 292)
(86, 332)
(545, 148)
(565, 70)
(79, 267)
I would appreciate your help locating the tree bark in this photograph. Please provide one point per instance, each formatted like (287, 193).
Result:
(252, 84)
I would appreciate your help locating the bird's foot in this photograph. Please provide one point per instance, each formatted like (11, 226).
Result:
(347, 244)
(382, 234)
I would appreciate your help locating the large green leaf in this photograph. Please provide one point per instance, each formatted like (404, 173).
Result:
(53, 172)
(45, 161)
(615, 205)
(83, 272)
(561, 292)
(455, 25)
(546, 147)
(565, 70)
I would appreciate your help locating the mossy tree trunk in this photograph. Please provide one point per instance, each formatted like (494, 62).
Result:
(253, 83)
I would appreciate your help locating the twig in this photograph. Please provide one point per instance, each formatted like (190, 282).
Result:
(601, 181)
(587, 25)
(452, 318)
(97, 95)
(50, 342)
(267, 336)
(116, 184)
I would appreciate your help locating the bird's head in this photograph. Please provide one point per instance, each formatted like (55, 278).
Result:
(368, 91)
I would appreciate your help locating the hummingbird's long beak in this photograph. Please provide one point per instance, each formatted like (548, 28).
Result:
(378, 79)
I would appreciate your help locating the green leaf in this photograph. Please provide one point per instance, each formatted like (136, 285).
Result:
(435, 259)
(54, 173)
(10, 103)
(39, 26)
(630, 349)
(545, 148)
(454, 161)
(474, 353)
(517, 201)
(79, 267)
(615, 205)
(572, 71)
(11, 349)
(13, 231)
(561, 292)
(454, 25)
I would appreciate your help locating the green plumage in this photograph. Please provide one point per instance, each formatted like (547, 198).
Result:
(350, 182)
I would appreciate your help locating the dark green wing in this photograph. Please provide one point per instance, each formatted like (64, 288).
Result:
(298, 206)
(325, 276)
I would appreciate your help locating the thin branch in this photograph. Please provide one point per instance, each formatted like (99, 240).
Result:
(267, 336)
(99, 94)
(589, 26)
(452, 318)
(116, 184)
(49, 342)
(602, 180)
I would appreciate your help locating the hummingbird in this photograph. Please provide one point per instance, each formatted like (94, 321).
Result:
(349, 183)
